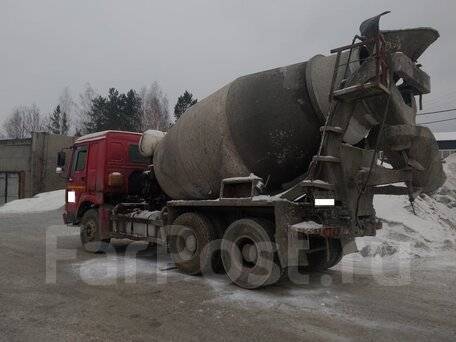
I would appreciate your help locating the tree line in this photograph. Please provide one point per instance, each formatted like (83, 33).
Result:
(134, 111)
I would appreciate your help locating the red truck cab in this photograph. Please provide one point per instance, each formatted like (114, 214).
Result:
(104, 169)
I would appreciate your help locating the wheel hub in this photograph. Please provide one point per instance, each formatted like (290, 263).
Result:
(191, 243)
(250, 253)
(91, 229)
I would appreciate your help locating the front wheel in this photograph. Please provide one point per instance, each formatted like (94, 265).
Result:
(90, 233)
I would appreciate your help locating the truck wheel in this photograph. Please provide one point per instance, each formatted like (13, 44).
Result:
(320, 261)
(90, 233)
(192, 244)
(249, 254)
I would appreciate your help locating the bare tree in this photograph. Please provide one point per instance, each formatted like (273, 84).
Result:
(66, 102)
(33, 122)
(84, 107)
(23, 121)
(68, 108)
(13, 126)
(155, 108)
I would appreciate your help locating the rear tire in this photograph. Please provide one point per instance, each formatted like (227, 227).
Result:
(193, 244)
(320, 261)
(249, 254)
(90, 233)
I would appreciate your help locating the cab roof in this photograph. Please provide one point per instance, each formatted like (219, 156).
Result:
(103, 135)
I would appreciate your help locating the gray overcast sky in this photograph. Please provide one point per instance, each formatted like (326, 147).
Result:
(198, 45)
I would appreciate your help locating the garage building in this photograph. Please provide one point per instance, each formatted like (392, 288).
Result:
(27, 166)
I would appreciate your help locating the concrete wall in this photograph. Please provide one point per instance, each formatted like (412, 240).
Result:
(15, 156)
(35, 159)
(44, 149)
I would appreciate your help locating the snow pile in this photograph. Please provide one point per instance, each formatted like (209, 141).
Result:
(447, 194)
(404, 235)
(42, 202)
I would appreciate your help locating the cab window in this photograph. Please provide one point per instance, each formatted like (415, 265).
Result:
(80, 158)
(135, 156)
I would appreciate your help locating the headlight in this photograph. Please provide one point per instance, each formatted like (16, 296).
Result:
(71, 197)
(325, 202)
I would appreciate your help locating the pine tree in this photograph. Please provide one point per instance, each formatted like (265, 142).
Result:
(184, 102)
(64, 127)
(131, 111)
(55, 121)
(115, 112)
(96, 118)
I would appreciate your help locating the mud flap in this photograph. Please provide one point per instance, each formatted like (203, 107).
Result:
(349, 245)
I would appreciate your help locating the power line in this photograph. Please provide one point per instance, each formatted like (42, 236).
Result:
(437, 121)
(438, 111)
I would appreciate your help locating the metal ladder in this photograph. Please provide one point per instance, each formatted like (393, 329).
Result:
(342, 105)
(343, 102)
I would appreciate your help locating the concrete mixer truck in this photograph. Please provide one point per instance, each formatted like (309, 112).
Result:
(272, 174)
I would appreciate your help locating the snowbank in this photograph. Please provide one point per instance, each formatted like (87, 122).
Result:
(429, 233)
(42, 202)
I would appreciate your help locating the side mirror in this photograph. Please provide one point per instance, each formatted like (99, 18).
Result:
(60, 159)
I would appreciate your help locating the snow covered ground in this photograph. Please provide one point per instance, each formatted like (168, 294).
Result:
(430, 232)
(42, 202)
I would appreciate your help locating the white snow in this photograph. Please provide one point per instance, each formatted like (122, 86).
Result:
(110, 268)
(430, 232)
(306, 225)
(42, 202)
(137, 262)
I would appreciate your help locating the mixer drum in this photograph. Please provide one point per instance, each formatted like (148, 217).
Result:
(268, 123)
(262, 123)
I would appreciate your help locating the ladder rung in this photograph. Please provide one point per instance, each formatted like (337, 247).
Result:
(360, 91)
(332, 129)
(327, 159)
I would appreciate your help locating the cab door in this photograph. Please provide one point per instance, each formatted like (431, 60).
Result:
(93, 167)
(77, 178)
